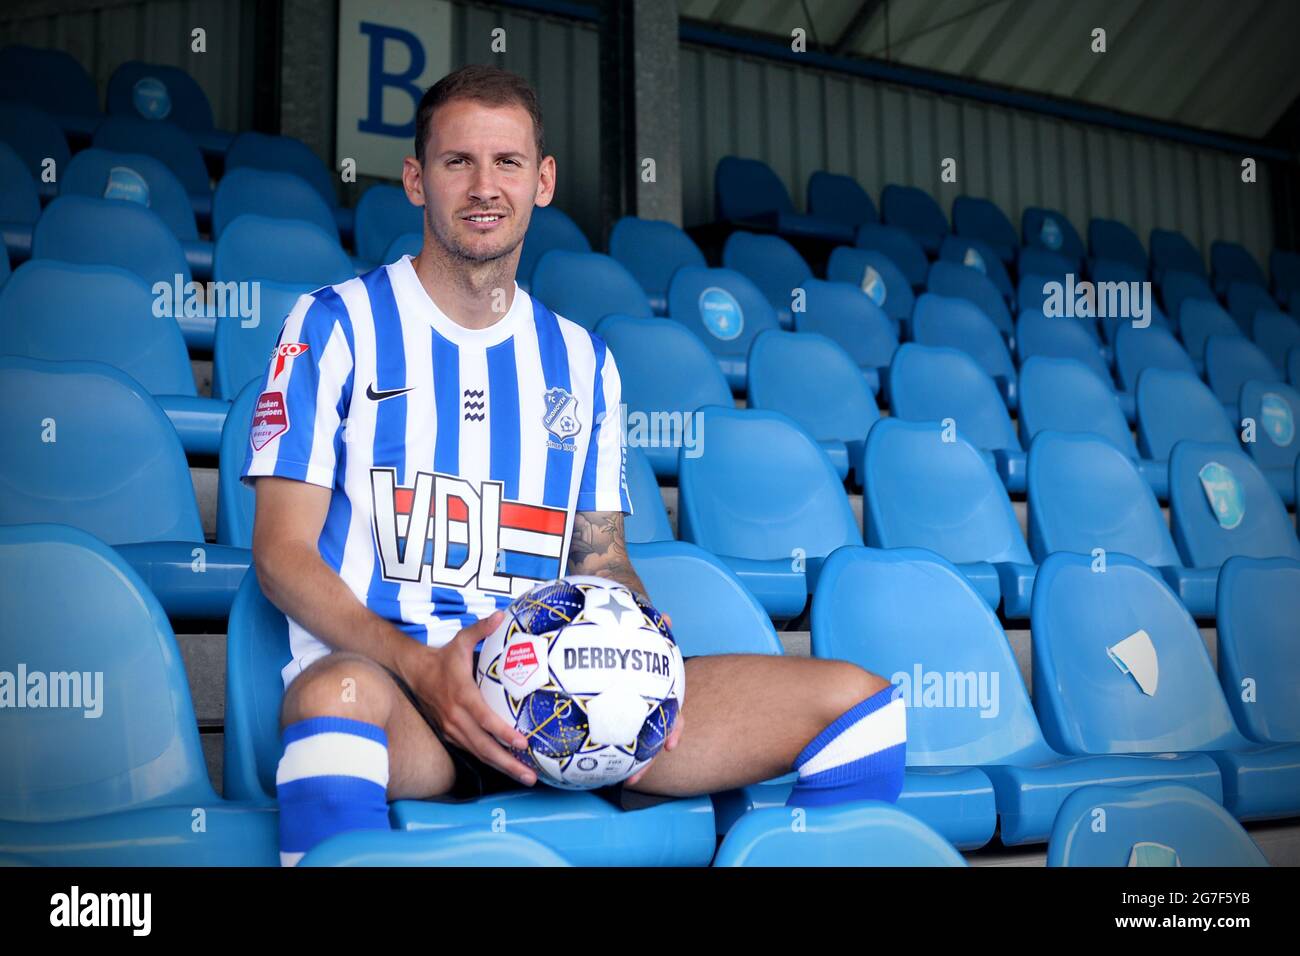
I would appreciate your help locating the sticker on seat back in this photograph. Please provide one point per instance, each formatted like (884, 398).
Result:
(1050, 234)
(1279, 420)
(974, 260)
(721, 313)
(126, 184)
(150, 98)
(874, 286)
(1223, 492)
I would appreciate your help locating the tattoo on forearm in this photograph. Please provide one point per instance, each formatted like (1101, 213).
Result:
(599, 548)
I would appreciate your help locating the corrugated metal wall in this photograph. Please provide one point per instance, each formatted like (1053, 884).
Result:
(102, 34)
(800, 121)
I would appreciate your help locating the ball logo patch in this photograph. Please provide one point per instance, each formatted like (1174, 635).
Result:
(270, 419)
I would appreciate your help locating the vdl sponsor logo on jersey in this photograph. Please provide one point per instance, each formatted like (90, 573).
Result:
(445, 530)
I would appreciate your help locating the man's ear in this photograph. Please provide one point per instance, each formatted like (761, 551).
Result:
(545, 182)
(413, 180)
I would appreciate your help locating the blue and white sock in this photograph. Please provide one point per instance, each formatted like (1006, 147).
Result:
(858, 757)
(333, 777)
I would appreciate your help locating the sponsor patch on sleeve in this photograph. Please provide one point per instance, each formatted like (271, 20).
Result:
(270, 419)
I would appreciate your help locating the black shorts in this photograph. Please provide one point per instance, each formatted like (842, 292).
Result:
(475, 779)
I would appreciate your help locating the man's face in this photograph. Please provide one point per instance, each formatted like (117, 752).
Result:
(481, 178)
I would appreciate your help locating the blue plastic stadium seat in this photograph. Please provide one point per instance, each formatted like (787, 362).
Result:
(915, 210)
(960, 324)
(53, 81)
(1230, 262)
(649, 518)
(1061, 337)
(407, 244)
(926, 486)
(260, 192)
(772, 264)
(58, 311)
(154, 91)
(239, 351)
(853, 321)
(840, 198)
(1293, 366)
(1115, 271)
(932, 383)
(288, 251)
(1172, 251)
(667, 374)
(966, 282)
(1156, 694)
(1284, 267)
(282, 154)
(35, 136)
(1275, 408)
(900, 246)
(115, 469)
(1276, 333)
(383, 214)
(110, 232)
(165, 142)
(652, 250)
(1067, 396)
(1232, 360)
(817, 384)
(235, 500)
(1085, 494)
(712, 613)
(980, 256)
(1111, 239)
(911, 616)
(124, 788)
(725, 310)
(1179, 288)
(584, 827)
(748, 193)
(587, 286)
(1174, 406)
(449, 847)
(866, 833)
(1034, 260)
(1157, 824)
(20, 203)
(1258, 606)
(1246, 300)
(1198, 319)
(1139, 349)
(978, 218)
(548, 228)
(875, 274)
(1050, 230)
(767, 501)
(142, 179)
(1034, 292)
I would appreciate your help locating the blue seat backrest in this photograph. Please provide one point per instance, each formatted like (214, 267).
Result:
(584, 287)
(1047, 265)
(958, 281)
(913, 209)
(663, 367)
(235, 500)
(1087, 703)
(115, 468)
(1084, 494)
(979, 255)
(1060, 236)
(899, 245)
(832, 196)
(154, 91)
(875, 274)
(548, 228)
(981, 219)
(770, 262)
(1230, 262)
(780, 490)
(1173, 406)
(649, 518)
(961, 324)
(652, 250)
(908, 614)
(105, 174)
(1245, 299)
(264, 192)
(721, 306)
(59, 311)
(165, 142)
(1111, 239)
(1178, 288)
(1275, 408)
(1172, 250)
(289, 251)
(35, 136)
(1276, 334)
(19, 200)
(711, 611)
(814, 381)
(384, 213)
(239, 351)
(932, 383)
(923, 491)
(1198, 319)
(1232, 360)
(407, 244)
(110, 232)
(1059, 337)
(282, 154)
(140, 747)
(1255, 523)
(851, 319)
(1060, 394)
(50, 79)
(747, 187)
(1151, 347)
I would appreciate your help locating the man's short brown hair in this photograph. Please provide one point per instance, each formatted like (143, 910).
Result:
(486, 84)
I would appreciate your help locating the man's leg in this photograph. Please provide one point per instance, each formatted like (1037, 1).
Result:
(752, 717)
(353, 741)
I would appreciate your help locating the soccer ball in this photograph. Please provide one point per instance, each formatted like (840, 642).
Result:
(589, 674)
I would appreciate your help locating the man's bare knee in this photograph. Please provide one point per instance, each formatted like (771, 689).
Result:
(340, 685)
(849, 685)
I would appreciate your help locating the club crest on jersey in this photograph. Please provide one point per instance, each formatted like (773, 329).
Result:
(287, 350)
(561, 418)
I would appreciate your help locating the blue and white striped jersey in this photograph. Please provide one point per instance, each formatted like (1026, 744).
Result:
(457, 457)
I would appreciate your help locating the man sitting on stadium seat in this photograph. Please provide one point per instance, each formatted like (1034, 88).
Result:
(434, 375)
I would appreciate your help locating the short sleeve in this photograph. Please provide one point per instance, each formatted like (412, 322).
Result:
(604, 473)
(296, 428)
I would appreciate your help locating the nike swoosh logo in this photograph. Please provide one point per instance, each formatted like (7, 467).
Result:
(390, 393)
